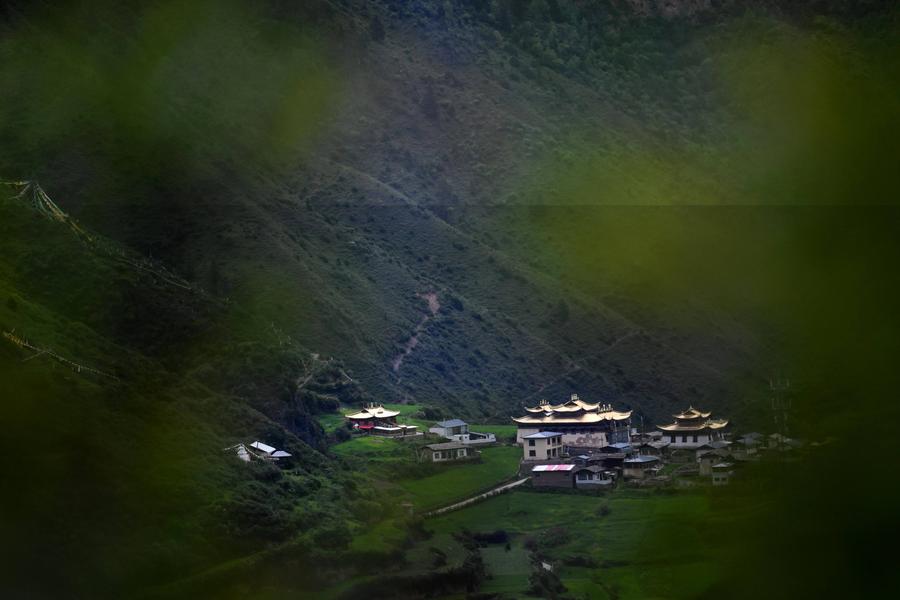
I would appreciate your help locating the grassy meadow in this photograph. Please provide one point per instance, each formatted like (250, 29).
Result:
(637, 550)
(456, 482)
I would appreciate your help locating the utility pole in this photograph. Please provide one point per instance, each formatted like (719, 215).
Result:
(781, 407)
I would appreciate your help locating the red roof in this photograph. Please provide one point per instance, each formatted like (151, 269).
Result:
(542, 468)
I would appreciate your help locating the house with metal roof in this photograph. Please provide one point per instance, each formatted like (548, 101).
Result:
(556, 476)
(542, 446)
(447, 451)
(593, 477)
(458, 431)
(450, 428)
(262, 447)
(261, 450)
(641, 466)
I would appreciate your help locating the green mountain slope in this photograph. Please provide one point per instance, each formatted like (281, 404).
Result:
(471, 206)
(412, 182)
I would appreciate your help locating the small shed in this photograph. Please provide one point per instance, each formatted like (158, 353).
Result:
(639, 467)
(721, 473)
(557, 476)
(241, 451)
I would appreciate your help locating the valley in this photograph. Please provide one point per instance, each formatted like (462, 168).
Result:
(225, 223)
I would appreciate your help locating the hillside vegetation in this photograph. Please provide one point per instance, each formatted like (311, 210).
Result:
(294, 208)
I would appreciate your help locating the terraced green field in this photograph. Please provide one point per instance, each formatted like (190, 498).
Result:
(503, 432)
(649, 545)
(456, 482)
(508, 570)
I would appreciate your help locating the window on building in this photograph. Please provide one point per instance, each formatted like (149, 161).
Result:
(695, 439)
(531, 453)
(436, 456)
(684, 439)
(531, 442)
(672, 439)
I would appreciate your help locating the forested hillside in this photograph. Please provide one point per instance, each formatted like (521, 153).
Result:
(469, 206)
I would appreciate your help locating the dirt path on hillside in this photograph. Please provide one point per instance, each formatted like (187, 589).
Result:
(433, 307)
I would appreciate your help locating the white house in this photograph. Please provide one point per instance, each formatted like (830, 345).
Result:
(458, 431)
(593, 477)
(544, 445)
(451, 428)
(268, 452)
(448, 451)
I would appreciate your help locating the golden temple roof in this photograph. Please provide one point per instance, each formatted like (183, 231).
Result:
(707, 424)
(575, 410)
(374, 412)
(693, 419)
(692, 413)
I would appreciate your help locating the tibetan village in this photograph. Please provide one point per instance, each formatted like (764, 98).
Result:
(501, 481)
(574, 444)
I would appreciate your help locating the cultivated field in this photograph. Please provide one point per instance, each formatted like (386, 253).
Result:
(647, 545)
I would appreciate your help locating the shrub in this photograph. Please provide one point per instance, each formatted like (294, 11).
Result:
(494, 537)
(341, 434)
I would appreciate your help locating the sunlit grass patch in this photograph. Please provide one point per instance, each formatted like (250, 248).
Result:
(456, 482)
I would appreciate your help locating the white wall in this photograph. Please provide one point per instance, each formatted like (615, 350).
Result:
(702, 438)
(592, 440)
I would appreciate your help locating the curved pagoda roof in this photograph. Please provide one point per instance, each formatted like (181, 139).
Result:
(693, 419)
(692, 413)
(575, 410)
(374, 411)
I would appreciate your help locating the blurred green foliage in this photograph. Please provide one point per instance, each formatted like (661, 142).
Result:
(790, 218)
(748, 174)
(165, 91)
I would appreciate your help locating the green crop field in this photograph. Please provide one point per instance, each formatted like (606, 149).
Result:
(649, 545)
(501, 431)
(455, 482)
(508, 569)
